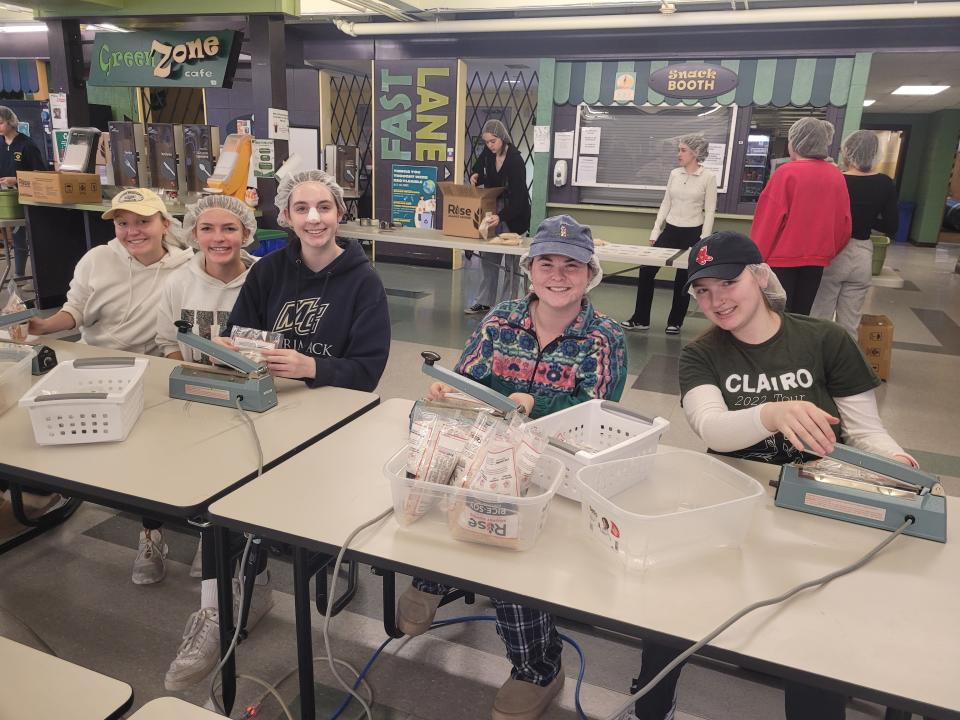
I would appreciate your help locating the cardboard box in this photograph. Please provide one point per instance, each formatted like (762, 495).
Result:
(61, 188)
(876, 341)
(464, 207)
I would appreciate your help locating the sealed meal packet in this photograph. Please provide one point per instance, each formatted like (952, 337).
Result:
(14, 304)
(250, 342)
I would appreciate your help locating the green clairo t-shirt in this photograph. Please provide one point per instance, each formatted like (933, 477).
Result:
(808, 359)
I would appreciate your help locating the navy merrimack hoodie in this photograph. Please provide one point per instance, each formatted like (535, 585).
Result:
(338, 316)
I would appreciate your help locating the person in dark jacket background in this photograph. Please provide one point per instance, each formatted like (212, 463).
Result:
(501, 165)
(873, 206)
(18, 153)
(321, 293)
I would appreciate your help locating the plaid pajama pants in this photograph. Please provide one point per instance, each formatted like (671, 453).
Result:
(531, 638)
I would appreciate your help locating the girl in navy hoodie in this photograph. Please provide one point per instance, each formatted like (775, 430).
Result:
(319, 292)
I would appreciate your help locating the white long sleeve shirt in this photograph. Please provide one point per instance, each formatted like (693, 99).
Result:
(690, 200)
(113, 298)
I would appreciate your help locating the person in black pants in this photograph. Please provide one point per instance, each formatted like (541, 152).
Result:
(501, 165)
(686, 215)
(18, 153)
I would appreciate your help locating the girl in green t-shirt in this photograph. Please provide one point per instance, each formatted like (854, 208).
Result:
(766, 385)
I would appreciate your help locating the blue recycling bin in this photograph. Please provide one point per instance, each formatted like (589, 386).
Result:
(906, 210)
(267, 241)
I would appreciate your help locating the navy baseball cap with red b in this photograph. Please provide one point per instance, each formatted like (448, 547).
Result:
(722, 255)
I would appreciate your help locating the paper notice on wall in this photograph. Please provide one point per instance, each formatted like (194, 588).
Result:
(590, 141)
(714, 161)
(263, 160)
(541, 138)
(58, 111)
(586, 170)
(278, 127)
(563, 145)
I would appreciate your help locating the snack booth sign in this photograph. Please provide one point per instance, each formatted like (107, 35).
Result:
(206, 58)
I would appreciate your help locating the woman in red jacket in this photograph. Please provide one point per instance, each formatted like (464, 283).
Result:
(802, 220)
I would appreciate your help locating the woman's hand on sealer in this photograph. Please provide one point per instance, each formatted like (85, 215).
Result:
(524, 399)
(803, 424)
(437, 391)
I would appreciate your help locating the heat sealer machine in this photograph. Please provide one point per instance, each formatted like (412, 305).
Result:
(247, 381)
(867, 489)
(498, 402)
(44, 358)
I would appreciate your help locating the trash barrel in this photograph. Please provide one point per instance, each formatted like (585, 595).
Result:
(267, 241)
(906, 210)
(10, 207)
(880, 243)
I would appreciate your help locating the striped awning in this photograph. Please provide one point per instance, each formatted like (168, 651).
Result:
(19, 76)
(770, 81)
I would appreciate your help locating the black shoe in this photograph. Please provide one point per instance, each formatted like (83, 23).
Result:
(477, 309)
(672, 330)
(633, 325)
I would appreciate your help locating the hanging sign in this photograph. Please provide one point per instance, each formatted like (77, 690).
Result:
(204, 58)
(693, 80)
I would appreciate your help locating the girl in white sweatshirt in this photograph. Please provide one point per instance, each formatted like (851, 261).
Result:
(113, 299)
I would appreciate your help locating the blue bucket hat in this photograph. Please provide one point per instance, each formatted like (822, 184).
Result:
(562, 235)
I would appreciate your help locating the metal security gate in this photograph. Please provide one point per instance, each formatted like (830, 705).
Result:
(351, 124)
(509, 96)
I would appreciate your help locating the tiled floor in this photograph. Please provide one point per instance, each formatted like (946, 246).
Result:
(73, 585)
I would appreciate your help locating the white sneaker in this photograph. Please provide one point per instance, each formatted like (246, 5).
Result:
(260, 604)
(196, 567)
(199, 652)
(149, 566)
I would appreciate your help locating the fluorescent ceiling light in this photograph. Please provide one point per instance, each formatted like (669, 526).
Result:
(110, 27)
(36, 27)
(868, 103)
(919, 89)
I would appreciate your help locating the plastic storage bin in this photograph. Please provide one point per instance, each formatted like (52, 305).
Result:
(86, 401)
(667, 506)
(880, 244)
(905, 209)
(268, 241)
(471, 515)
(15, 368)
(613, 431)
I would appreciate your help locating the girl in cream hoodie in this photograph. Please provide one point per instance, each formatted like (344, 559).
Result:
(113, 299)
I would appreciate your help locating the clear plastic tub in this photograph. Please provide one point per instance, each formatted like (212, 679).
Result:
(87, 400)
(594, 432)
(471, 515)
(667, 506)
(15, 367)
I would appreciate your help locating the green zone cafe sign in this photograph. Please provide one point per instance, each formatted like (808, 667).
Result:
(165, 59)
(693, 80)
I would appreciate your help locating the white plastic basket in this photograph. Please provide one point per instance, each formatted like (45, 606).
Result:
(667, 506)
(87, 400)
(614, 432)
(15, 362)
(471, 515)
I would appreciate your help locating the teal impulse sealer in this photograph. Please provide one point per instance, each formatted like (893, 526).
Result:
(867, 489)
(44, 358)
(248, 382)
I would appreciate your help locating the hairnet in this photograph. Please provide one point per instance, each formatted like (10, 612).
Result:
(698, 145)
(860, 150)
(810, 137)
(292, 182)
(229, 203)
(498, 130)
(596, 272)
(8, 116)
(773, 291)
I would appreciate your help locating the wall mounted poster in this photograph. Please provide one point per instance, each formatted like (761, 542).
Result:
(414, 132)
(413, 195)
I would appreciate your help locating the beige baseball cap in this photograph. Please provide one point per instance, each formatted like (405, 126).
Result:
(137, 200)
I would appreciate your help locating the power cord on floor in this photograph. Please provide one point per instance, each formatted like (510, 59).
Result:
(243, 562)
(620, 712)
(30, 631)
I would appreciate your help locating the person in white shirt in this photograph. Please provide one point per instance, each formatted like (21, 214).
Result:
(203, 292)
(113, 299)
(686, 215)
